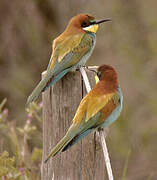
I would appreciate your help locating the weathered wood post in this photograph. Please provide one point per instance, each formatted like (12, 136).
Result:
(84, 161)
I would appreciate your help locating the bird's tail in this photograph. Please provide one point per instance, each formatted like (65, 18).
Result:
(87, 129)
(57, 78)
(63, 142)
(36, 92)
(44, 84)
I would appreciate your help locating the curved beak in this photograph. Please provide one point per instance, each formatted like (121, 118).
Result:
(102, 21)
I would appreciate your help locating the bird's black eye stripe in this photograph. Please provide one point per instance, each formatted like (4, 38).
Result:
(88, 23)
(99, 74)
(85, 24)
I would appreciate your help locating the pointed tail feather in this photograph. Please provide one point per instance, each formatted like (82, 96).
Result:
(84, 131)
(73, 130)
(44, 84)
(74, 135)
(87, 129)
(36, 92)
(57, 78)
(58, 148)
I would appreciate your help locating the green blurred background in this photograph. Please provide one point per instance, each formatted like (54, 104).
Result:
(129, 43)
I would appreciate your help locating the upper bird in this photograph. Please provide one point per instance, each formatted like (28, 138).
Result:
(70, 50)
(98, 109)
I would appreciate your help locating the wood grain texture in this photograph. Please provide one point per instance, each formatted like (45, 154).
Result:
(83, 161)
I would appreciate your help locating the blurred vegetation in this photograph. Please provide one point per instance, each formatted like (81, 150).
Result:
(129, 43)
(24, 145)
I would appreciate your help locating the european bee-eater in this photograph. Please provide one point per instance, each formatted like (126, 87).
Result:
(98, 109)
(70, 50)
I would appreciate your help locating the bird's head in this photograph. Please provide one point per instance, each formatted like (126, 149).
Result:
(107, 73)
(86, 23)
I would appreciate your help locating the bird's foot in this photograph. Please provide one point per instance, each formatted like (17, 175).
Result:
(100, 129)
(78, 68)
(85, 67)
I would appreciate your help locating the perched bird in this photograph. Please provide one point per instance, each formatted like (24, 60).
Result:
(69, 51)
(98, 109)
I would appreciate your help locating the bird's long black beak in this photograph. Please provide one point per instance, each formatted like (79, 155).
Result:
(102, 21)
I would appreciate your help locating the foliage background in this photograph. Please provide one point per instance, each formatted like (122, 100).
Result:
(129, 43)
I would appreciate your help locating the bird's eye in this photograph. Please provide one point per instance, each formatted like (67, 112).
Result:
(84, 24)
(99, 74)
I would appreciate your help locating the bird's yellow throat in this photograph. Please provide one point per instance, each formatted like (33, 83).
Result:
(92, 28)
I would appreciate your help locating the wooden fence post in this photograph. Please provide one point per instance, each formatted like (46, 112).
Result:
(83, 161)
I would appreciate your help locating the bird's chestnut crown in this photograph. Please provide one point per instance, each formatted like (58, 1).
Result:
(82, 20)
(86, 22)
(106, 72)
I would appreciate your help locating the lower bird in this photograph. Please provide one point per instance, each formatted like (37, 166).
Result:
(98, 109)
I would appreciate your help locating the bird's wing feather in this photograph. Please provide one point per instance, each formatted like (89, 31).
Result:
(63, 47)
(95, 104)
(83, 131)
(91, 105)
(108, 109)
(69, 52)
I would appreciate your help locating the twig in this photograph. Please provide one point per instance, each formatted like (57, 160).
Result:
(101, 132)
(102, 136)
(85, 79)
